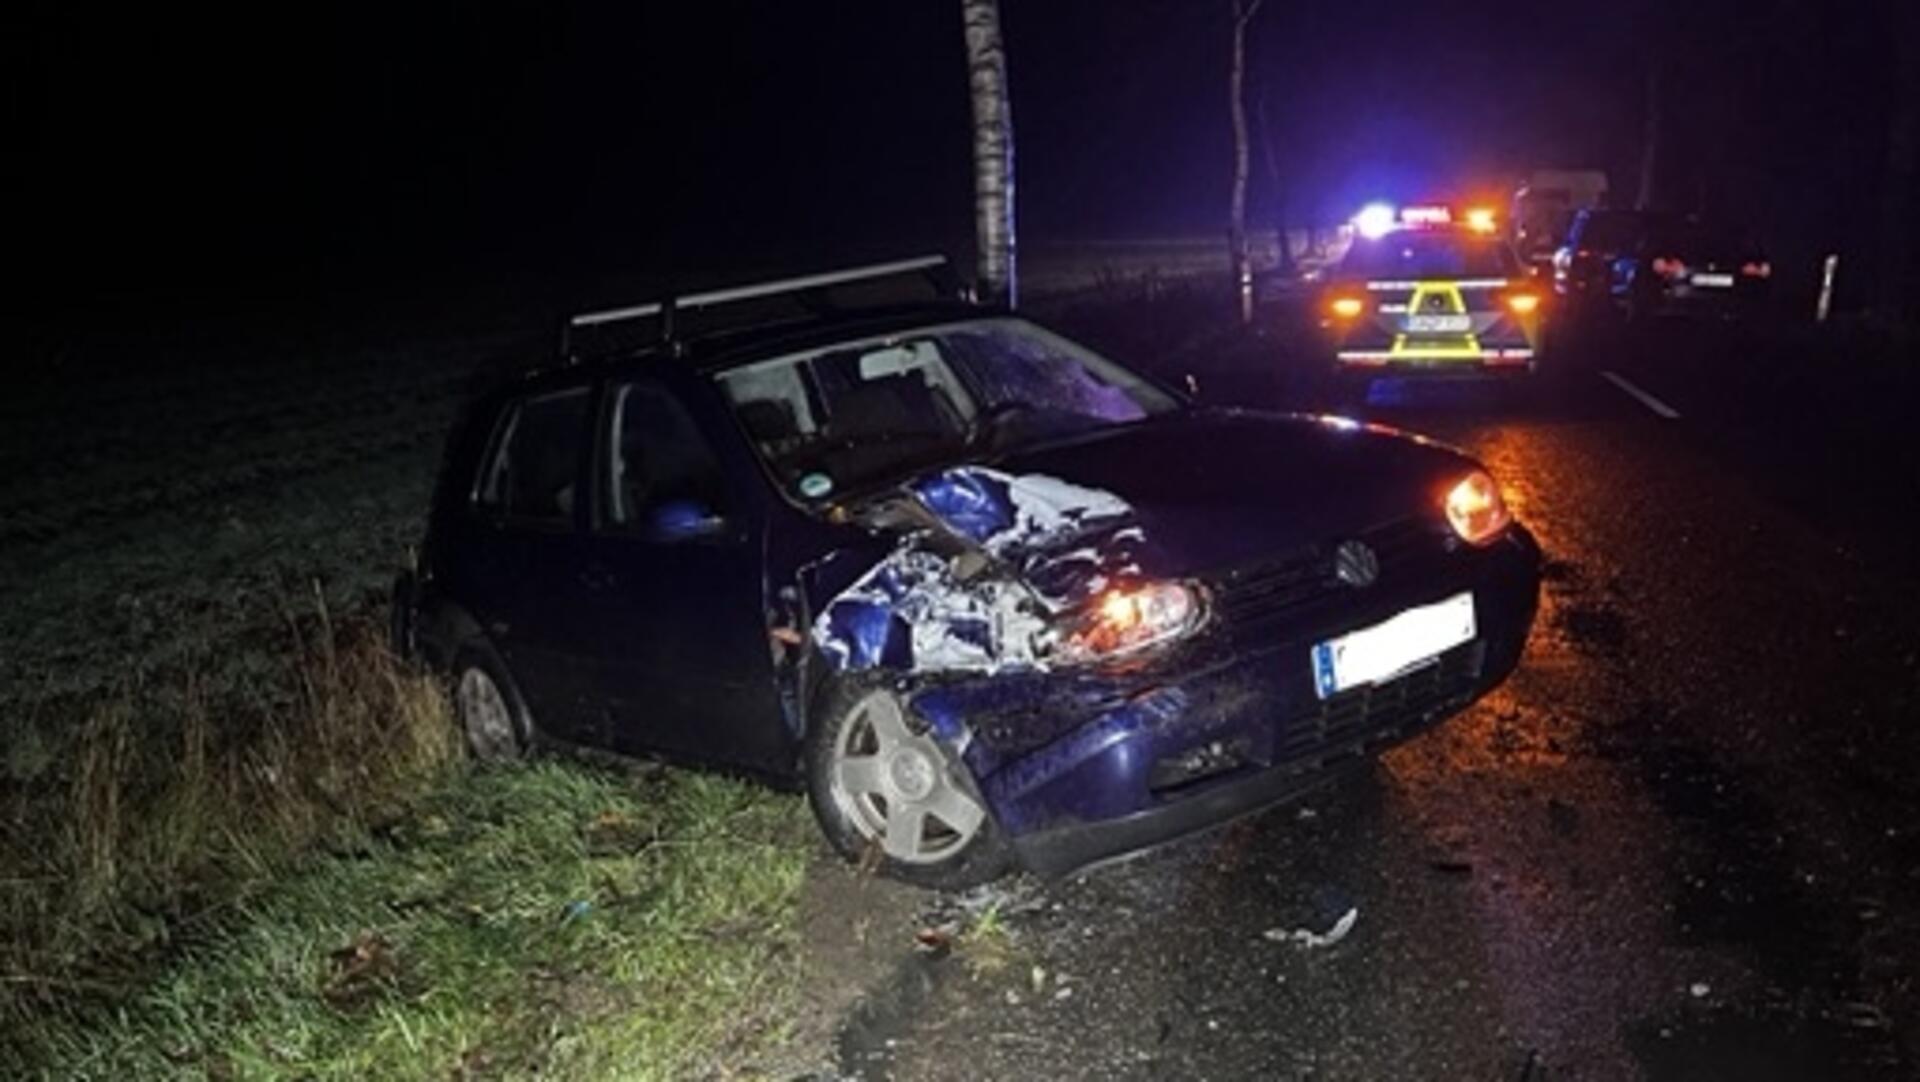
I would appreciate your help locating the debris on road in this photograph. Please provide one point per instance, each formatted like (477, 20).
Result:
(1308, 939)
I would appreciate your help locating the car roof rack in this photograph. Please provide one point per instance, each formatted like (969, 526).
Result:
(808, 292)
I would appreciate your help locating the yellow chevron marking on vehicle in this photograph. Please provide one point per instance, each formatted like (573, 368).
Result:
(1454, 304)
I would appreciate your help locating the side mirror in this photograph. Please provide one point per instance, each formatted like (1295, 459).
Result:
(680, 520)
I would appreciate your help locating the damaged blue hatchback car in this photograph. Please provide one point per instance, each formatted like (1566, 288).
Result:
(992, 599)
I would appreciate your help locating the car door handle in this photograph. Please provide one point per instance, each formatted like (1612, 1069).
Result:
(597, 577)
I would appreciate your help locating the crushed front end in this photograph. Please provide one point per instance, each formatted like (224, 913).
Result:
(1083, 767)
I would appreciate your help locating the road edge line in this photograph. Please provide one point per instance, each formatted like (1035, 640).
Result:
(1659, 408)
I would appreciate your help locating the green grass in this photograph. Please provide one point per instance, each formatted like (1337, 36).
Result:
(549, 919)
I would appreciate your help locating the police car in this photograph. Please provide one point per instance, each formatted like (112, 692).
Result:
(1425, 291)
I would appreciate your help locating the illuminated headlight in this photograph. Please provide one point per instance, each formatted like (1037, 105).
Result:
(1127, 619)
(1476, 510)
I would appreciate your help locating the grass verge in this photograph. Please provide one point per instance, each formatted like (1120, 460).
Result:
(297, 876)
(548, 919)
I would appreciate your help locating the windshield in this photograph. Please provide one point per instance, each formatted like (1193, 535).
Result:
(1437, 254)
(852, 415)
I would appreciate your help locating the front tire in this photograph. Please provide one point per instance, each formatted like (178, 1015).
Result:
(885, 791)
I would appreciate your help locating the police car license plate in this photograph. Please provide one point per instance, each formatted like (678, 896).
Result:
(1714, 281)
(1401, 643)
(1439, 324)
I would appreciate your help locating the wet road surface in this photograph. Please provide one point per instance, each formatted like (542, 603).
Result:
(1680, 843)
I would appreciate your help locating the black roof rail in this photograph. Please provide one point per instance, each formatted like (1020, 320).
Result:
(932, 269)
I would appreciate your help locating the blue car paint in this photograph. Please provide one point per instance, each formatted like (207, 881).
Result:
(971, 502)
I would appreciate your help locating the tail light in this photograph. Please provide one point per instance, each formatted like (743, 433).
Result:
(1523, 304)
(1668, 268)
(1345, 307)
(1757, 269)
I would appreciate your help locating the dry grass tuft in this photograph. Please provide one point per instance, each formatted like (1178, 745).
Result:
(169, 803)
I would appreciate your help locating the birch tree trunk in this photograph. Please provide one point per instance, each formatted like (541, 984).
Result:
(992, 152)
(1283, 235)
(1242, 264)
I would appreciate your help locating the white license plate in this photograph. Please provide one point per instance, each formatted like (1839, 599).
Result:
(1714, 281)
(1439, 324)
(1375, 654)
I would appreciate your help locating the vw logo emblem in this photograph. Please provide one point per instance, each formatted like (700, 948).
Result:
(1355, 564)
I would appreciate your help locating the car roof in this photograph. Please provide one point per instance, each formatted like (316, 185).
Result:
(733, 348)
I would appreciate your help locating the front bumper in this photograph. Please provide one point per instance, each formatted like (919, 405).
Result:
(1234, 730)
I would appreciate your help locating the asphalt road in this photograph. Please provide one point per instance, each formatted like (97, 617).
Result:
(1682, 842)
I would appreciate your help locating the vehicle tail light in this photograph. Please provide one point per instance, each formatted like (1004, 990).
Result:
(1668, 268)
(1476, 510)
(1346, 307)
(1523, 304)
(1757, 269)
(1480, 219)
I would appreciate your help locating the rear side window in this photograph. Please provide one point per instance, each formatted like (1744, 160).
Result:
(532, 471)
(663, 480)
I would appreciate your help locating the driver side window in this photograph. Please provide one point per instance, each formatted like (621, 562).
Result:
(663, 480)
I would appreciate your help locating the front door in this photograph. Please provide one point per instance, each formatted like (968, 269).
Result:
(672, 573)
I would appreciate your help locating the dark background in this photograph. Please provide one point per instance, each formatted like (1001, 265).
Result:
(209, 151)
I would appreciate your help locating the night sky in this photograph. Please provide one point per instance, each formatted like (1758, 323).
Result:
(195, 147)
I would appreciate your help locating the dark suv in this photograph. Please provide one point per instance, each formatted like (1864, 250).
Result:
(1647, 263)
(989, 596)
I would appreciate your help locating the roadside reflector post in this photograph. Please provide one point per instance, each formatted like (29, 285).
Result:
(1825, 303)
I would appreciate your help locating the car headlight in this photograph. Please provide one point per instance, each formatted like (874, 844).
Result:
(1126, 619)
(1476, 510)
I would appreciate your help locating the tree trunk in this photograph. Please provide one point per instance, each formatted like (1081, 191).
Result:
(1243, 12)
(1283, 241)
(992, 151)
(1649, 141)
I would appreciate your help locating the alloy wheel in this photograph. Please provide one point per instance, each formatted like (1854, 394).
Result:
(896, 787)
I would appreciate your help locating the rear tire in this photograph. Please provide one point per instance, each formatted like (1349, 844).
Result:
(488, 706)
(890, 796)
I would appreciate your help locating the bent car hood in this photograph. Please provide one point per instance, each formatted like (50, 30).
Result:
(1216, 489)
(987, 555)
